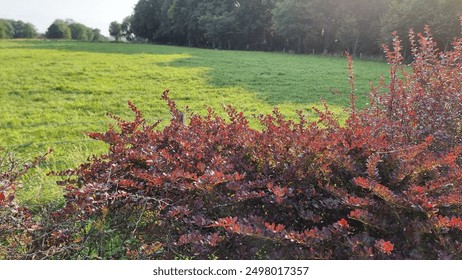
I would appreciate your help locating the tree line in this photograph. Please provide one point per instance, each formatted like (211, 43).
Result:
(14, 29)
(69, 29)
(302, 26)
(59, 29)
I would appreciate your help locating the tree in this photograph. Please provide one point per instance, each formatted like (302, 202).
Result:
(358, 25)
(184, 19)
(29, 31)
(446, 24)
(80, 32)
(441, 15)
(403, 15)
(96, 36)
(115, 30)
(294, 20)
(126, 28)
(218, 21)
(254, 20)
(147, 18)
(6, 29)
(348, 31)
(59, 30)
(16, 29)
(23, 30)
(327, 23)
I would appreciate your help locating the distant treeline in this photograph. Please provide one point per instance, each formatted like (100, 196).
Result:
(69, 29)
(59, 29)
(12, 29)
(302, 26)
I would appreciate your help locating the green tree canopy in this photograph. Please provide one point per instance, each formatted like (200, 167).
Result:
(147, 18)
(6, 29)
(115, 30)
(16, 29)
(218, 21)
(59, 30)
(295, 21)
(80, 32)
(126, 28)
(254, 23)
(321, 26)
(23, 29)
(97, 36)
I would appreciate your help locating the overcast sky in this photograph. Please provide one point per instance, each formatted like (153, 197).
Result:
(92, 13)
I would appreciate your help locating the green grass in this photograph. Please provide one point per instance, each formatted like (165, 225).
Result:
(53, 92)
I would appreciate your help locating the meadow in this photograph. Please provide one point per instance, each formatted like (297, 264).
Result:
(54, 92)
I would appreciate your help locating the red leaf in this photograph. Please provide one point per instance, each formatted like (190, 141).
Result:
(384, 246)
(343, 223)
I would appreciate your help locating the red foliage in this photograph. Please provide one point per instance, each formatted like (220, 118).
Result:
(384, 246)
(343, 223)
(216, 188)
(16, 224)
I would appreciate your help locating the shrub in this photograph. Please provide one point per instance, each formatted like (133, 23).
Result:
(17, 226)
(385, 185)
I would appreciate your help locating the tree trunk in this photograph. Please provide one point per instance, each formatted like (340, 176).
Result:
(355, 47)
(299, 44)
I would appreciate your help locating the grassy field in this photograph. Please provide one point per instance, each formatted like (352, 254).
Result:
(53, 92)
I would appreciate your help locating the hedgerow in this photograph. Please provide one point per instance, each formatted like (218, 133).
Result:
(386, 184)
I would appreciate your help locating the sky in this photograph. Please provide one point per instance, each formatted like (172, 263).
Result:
(92, 13)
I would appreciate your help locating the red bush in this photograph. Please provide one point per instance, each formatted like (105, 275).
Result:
(386, 185)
